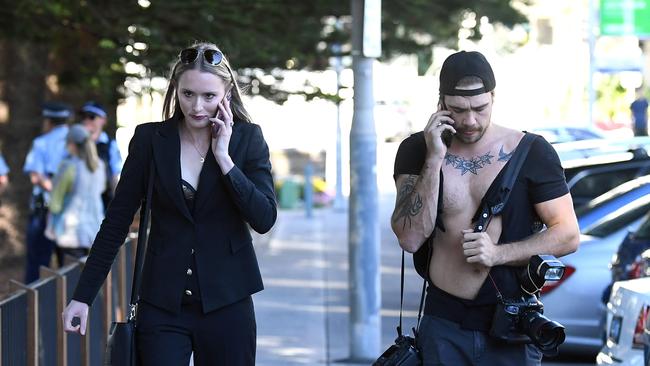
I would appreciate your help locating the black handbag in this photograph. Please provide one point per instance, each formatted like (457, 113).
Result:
(405, 351)
(121, 344)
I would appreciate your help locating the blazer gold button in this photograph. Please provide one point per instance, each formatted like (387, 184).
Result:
(188, 292)
(189, 272)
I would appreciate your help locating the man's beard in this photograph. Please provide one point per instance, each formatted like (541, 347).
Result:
(474, 138)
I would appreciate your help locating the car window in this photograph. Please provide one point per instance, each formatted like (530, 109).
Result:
(643, 232)
(620, 218)
(596, 184)
(605, 198)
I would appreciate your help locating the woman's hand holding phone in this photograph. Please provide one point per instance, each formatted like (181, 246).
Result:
(221, 128)
(438, 133)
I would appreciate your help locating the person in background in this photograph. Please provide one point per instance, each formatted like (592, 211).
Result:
(211, 182)
(42, 162)
(76, 209)
(93, 117)
(4, 175)
(639, 109)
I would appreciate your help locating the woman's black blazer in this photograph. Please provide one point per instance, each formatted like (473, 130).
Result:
(225, 260)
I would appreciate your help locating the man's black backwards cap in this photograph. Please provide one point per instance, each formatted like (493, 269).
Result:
(462, 64)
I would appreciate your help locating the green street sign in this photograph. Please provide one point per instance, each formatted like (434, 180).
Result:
(625, 17)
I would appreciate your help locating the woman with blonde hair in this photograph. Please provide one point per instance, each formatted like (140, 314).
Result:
(211, 181)
(76, 210)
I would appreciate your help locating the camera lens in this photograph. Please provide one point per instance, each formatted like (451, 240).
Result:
(545, 333)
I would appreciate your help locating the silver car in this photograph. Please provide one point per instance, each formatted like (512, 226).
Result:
(627, 313)
(575, 301)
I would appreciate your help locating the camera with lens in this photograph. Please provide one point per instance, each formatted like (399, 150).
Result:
(521, 320)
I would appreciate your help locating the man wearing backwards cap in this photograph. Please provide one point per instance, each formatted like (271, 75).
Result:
(461, 300)
(93, 118)
(42, 162)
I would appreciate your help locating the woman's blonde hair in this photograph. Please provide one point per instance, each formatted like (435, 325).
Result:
(171, 105)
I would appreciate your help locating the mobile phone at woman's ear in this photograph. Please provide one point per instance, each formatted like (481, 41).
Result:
(215, 127)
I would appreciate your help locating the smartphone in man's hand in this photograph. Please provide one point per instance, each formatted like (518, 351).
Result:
(446, 135)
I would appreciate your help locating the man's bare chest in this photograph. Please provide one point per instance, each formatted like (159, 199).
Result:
(466, 180)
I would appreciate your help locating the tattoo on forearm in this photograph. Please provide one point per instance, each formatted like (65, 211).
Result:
(409, 202)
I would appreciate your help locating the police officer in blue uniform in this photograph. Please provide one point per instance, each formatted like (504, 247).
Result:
(93, 117)
(4, 174)
(42, 162)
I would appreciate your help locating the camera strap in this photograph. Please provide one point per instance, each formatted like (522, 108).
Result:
(401, 301)
(486, 210)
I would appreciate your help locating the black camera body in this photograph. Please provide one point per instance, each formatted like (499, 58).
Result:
(521, 320)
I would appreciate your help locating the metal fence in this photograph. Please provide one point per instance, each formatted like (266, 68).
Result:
(31, 328)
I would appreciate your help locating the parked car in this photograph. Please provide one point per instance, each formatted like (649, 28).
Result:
(559, 134)
(586, 149)
(628, 313)
(575, 300)
(592, 170)
(612, 200)
(628, 262)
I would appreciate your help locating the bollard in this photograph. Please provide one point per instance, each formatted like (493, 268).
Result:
(308, 193)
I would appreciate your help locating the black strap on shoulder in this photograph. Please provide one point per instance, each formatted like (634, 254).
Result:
(486, 210)
(145, 211)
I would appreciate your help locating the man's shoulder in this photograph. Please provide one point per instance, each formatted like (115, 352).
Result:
(44, 140)
(414, 141)
(410, 155)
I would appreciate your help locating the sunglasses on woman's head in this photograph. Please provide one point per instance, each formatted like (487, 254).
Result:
(189, 55)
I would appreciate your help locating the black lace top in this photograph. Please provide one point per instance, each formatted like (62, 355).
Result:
(192, 293)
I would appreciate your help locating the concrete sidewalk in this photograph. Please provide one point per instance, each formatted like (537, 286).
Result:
(302, 315)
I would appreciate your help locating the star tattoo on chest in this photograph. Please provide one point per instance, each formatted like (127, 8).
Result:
(474, 164)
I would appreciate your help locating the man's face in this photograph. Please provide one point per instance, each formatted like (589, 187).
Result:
(472, 115)
(94, 124)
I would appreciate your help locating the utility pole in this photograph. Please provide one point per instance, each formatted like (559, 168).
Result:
(591, 24)
(339, 202)
(363, 228)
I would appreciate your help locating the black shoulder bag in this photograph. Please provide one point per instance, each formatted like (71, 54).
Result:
(121, 344)
(405, 351)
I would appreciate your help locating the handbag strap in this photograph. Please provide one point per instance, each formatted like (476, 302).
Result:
(145, 211)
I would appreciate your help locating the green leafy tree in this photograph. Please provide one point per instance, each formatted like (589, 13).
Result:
(75, 50)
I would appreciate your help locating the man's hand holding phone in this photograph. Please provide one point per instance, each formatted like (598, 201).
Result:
(438, 133)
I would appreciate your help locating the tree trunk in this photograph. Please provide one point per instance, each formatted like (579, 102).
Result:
(25, 68)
